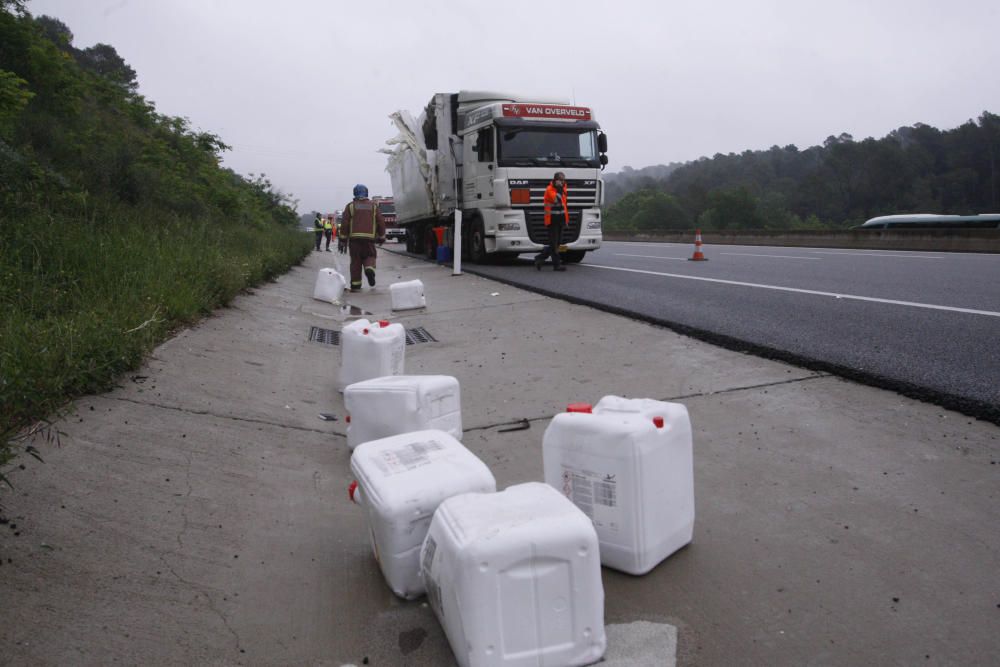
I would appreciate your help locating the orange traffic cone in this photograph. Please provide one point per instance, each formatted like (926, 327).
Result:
(698, 256)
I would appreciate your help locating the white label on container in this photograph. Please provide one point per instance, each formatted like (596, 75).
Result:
(432, 586)
(595, 493)
(408, 457)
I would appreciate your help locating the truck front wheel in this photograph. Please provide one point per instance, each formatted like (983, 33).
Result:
(573, 256)
(477, 242)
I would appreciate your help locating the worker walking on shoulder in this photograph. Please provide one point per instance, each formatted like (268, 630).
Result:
(318, 228)
(327, 231)
(556, 218)
(361, 228)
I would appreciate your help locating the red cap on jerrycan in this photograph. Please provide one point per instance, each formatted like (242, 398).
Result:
(580, 407)
(351, 489)
(658, 422)
(383, 323)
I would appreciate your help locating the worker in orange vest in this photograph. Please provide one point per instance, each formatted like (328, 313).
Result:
(556, 218)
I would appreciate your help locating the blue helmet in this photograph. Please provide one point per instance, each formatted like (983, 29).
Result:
(360, 191)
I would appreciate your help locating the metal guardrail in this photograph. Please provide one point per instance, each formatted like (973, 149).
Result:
(940, 240)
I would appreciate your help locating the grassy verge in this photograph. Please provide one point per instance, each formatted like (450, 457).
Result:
(82, 301)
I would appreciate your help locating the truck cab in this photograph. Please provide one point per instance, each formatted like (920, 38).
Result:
(510, 153)
(490, 156)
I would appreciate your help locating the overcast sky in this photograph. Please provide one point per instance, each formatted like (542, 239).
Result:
(301, 89)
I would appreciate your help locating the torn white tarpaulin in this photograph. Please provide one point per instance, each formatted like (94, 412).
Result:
(423, 162)
(411, 170)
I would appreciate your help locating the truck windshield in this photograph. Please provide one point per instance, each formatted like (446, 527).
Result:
(385, 208)
(535, 147)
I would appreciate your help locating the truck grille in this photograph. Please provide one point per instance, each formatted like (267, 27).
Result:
(579, 192)
(539, 233)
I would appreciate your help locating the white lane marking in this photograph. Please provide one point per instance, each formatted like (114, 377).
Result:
(797, 290)
(622, 254)
(871, 254)
(753, 254)
(649, 245)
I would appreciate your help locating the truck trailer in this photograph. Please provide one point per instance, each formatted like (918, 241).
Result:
(491, 155)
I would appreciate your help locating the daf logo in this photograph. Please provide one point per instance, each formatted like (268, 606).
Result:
(518, 182)
(588, 182)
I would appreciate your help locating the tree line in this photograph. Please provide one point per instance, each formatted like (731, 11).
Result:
(914, 169)
(75, 134)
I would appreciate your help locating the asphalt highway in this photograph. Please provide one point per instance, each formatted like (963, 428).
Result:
(925, 324)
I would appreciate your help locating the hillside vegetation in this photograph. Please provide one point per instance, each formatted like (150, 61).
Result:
(119, 224)
(842, 183)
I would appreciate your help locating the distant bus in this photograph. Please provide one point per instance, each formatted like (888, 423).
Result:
(933, 221)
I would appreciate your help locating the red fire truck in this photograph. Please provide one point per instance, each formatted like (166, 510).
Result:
(388, 211)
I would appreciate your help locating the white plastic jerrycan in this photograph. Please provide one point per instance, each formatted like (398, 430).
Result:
(329, 286)
(407, 295)
(394, 404)
(370, 350)
(401, 480)
(515, 578)
(627, 463)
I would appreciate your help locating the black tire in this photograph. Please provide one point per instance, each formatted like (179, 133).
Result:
(410, 245)
(573, 256)
(477, 242)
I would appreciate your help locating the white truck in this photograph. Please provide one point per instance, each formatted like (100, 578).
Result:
(491, 155)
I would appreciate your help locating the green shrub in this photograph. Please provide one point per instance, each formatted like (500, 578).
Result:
(82, 301)
(119, 224)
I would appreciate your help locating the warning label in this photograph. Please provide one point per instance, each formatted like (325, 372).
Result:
(409, 457)
(595, 493)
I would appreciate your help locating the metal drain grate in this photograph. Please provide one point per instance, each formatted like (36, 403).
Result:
(328, 336)
(419, 335)
(331, 337)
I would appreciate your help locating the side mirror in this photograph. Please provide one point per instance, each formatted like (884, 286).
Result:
(602, 143)
(604, 160)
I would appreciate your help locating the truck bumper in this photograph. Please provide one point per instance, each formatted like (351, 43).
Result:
(501, 239)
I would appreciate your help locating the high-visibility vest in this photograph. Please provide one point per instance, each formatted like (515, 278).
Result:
(549, 201)
(326, 225)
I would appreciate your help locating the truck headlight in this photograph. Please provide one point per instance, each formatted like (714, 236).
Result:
(594, 224)
(508, 226)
